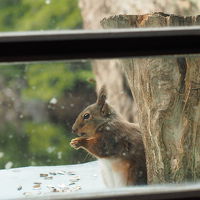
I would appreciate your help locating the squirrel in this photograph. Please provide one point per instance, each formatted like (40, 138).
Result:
(116, 143)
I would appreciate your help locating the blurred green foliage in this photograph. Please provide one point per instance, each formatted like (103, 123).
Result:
(23, 15)
(13, 146)
(35, 144)
(54, 79)
(24, 141)
(48, 142)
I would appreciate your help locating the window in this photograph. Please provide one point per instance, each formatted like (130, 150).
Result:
(47, 79)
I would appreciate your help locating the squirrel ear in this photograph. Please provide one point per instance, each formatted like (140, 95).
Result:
(105, 110)
(101, 101)
(102, 96)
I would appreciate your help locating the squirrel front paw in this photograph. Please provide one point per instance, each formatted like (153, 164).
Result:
(77, 142)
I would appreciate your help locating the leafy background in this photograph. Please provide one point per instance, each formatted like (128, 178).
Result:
(40, 101)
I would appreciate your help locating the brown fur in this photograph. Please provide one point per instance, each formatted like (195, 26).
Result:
(105, 134)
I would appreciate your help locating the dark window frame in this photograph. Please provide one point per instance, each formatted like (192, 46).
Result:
(67, 45)
(116, 43)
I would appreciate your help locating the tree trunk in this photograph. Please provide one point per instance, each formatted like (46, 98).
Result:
(167, 94)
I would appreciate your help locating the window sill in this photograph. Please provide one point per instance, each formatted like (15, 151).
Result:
(19, 183)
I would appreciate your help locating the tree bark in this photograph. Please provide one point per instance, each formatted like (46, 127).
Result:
(167, 94)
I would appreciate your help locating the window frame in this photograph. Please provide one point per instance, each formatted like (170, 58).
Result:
(115, 43)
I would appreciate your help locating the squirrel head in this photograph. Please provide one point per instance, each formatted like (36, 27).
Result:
(92, 117)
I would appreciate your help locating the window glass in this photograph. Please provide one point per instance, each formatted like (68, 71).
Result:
(40, 104)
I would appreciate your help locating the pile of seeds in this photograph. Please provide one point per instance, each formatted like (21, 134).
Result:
(69, 186)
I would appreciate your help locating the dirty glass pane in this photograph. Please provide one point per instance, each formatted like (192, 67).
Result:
(40, 15)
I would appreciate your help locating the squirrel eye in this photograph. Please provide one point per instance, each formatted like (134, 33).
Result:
(86, 116)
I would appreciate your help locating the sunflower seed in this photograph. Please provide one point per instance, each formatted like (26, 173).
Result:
(43, 175)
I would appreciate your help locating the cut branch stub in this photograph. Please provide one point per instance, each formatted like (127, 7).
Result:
(167, 94)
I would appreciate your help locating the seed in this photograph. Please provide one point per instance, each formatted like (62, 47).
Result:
(19, 188)
(48, 177)
(43, 175)
(75, 179)
(55, 190)
(71, 173)
(78, 187)
(52, 173)
(61, 172)
(36, 186)
(27, 193)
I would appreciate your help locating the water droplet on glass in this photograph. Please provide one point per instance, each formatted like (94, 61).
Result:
(53, 100)
(33, 87)
(59, 154)
(33, 163)
(8, 165)
(21, 116)
(10, 136)
(1, 154)
(51, 149)
(47, 1)
(107, 128)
